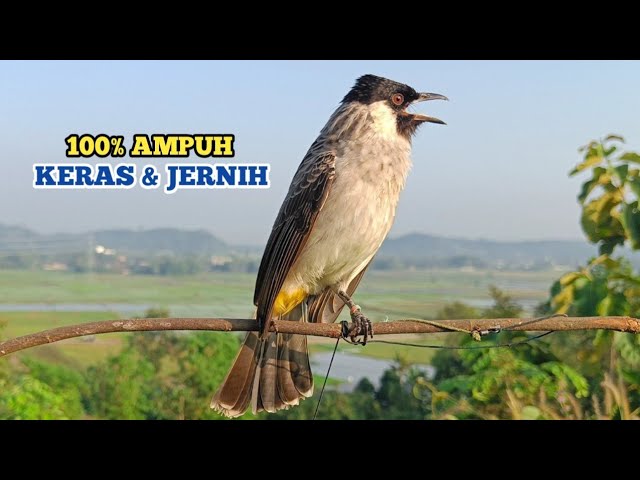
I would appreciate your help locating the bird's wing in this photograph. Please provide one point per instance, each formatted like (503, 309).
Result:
(326, 307)
(307, 194)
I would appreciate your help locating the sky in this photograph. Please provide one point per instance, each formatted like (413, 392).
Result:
(497, 170)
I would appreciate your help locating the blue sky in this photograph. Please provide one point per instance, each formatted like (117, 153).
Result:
(498, 169)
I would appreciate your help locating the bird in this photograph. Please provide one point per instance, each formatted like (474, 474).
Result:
(338, 210)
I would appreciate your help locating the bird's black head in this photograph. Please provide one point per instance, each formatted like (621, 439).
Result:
(370, 89)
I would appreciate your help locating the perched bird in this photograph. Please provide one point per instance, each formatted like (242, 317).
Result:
(339, 208)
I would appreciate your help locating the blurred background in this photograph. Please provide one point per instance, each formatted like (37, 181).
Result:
(502, 216)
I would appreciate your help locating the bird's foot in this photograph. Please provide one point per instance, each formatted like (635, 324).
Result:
(360, 324)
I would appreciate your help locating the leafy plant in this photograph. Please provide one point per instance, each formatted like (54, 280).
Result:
(609, 199)
(608, 286)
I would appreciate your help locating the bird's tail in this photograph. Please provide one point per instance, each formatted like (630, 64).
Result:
(271, 373)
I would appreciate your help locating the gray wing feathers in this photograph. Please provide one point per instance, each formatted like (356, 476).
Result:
(307, 194)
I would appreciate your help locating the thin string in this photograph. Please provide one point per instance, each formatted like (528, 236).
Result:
(470, 347)
(475, 334)
(315, 414)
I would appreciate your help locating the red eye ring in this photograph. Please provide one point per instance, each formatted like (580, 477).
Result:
(397, 99)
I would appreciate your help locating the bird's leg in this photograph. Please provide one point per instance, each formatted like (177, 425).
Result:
(361, 324)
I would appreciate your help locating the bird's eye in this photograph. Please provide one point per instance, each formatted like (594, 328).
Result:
(397, 99)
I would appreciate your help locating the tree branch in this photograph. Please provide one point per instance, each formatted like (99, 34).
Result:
(621, 324)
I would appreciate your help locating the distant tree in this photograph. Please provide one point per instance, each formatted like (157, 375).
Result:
(202, 361)
(527, 382)
(503, 305)
(394, 399)
(34, 390)
(122, 387)
(157, 312)
(161, 375)
(67, 383)
(457, 310)
(26, 398)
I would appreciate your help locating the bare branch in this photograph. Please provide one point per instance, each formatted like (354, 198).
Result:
(621, 324)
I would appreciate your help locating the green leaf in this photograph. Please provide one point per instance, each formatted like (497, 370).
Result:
(598, 172)
(631, 223)
(603, 177)
(591, 145)
(600, 177)
(563, 300)
(613, 136)
(631, 157)
(629, 348)
(531, 413)
(606, 261)
(621, 172)
(582, 282)
(599, 217)
(587, 188)
(634, 184)
(569, 278)
(591, 160)
(604, 307)
(607, 246)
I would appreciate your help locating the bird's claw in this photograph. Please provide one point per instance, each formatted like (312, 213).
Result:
(360, 325)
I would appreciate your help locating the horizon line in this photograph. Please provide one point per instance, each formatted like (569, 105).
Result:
(203, 229)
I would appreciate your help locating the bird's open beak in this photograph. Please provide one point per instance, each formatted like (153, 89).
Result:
(425, 97)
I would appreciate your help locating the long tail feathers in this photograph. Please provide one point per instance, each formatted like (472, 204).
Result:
(271, 374)
(232, 398)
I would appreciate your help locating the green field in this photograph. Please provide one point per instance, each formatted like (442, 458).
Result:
(382, 295)
(221, 294)
(75, 352)
(385, 293)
